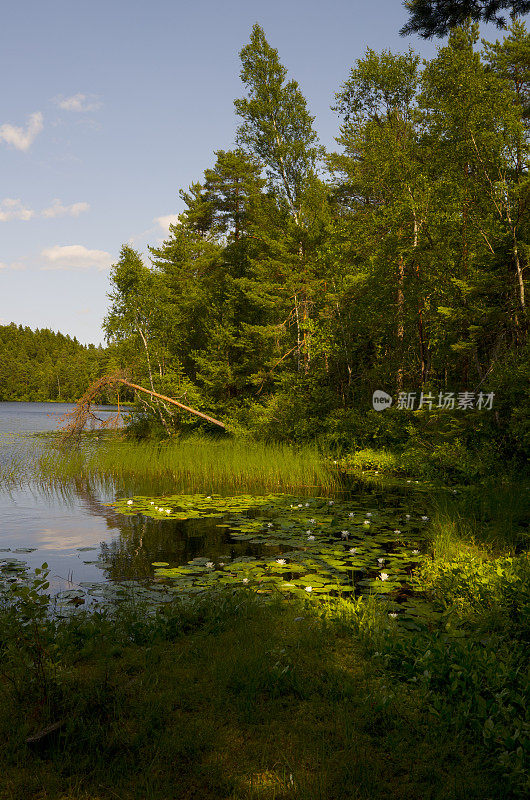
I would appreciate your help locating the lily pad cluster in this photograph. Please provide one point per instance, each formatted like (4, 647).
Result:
(317, 546)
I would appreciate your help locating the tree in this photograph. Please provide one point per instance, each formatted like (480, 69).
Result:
(381, 184)
(133, 311)
(277, 126)
(278, 129)
(228, 201)
(431, 18)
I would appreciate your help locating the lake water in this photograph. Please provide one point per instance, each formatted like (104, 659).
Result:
(366, 541)
(54, 525)
(72, 527)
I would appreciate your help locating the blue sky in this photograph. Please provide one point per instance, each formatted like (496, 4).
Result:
(110, 107)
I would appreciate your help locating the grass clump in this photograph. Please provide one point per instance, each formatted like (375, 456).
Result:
(194, 464)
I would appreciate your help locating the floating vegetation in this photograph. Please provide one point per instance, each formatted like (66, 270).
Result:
(326, 548)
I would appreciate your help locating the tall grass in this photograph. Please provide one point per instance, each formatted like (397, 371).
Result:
(15, 459)
(196, 464)
(494, 514)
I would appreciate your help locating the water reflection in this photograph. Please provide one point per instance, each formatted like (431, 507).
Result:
(63, 519)
(142, 541)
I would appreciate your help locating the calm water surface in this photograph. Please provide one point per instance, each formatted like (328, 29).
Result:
(57, 523)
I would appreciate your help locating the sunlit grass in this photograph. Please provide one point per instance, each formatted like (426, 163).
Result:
(492, 516)
(196, 464)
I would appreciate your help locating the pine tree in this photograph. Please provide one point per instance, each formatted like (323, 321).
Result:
(431, 18)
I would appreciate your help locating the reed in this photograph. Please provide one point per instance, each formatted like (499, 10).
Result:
(195, 464)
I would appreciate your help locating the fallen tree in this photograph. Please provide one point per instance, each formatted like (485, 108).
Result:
(73, 422)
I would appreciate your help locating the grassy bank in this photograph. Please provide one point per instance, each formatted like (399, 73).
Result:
(232, 698)
(194, 464)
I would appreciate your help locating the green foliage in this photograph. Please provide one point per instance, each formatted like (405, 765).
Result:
(285, 295)
(436, 17)
(42, 365)
(24, 640)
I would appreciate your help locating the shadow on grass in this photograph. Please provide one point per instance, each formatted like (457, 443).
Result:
(232, 698)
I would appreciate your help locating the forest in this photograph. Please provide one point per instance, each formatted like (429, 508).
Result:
(299, 281)
(42, 365)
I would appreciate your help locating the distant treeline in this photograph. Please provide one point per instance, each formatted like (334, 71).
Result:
(43, 365)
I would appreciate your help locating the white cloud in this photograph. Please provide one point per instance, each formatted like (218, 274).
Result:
(14, 265)
(78, 102)
(76, 256)
(11, 208)
(22, 138)
(161, 223)
(57, 209)
(165, 222)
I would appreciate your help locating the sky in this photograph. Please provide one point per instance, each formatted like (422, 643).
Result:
(110, 107)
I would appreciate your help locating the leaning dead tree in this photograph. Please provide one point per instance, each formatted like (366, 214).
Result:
(75, 421)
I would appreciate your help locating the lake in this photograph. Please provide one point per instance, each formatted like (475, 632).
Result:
(72, 528)
(94, 534)
(53, 525)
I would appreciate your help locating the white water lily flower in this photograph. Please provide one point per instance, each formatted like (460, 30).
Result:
(344, 534)
(393, 615)
(376, 472)
(300, 505)
(425, 519)
(309, 588)
(415, 552)
(397, 532)
(209, 564)
(369, 514)
(269, 524)
(351, 514)
(384, 576)
(407, 516)
(409, 481)
(221, 563)
(129, 502)
(168, 511)
(331, 502)
(280, 560)
(380, 560)
(354, 550)
(307, 505)
(152, 503)
(311, 538)
(366, 521)
(245, 580)
(311, 521)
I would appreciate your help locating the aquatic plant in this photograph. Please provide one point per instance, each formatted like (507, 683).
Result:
(194, 464)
